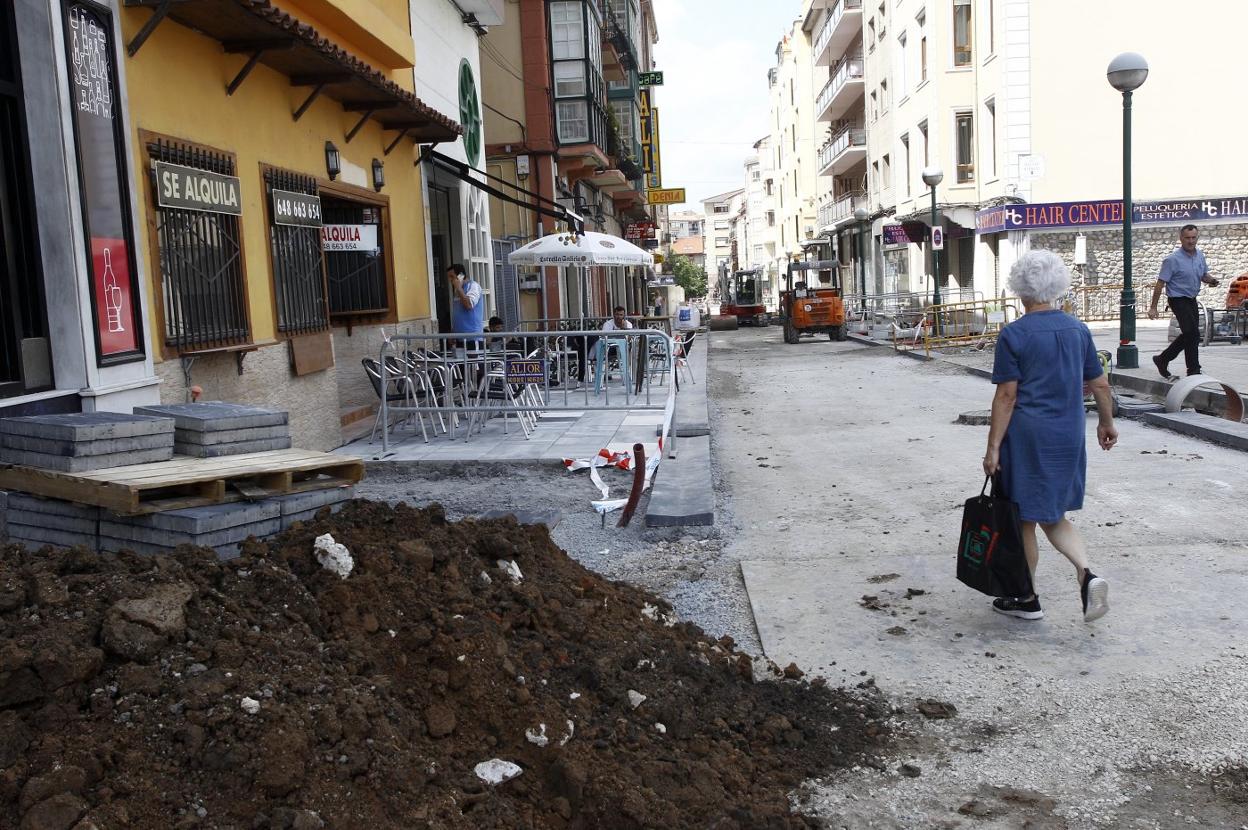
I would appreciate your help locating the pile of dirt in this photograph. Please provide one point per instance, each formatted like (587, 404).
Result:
(268, 692)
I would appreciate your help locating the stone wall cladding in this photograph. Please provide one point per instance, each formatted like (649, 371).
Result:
(315, 402)
(1225, 248)
(354, 389)
(267, 380)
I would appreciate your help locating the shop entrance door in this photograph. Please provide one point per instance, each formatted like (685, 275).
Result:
(25, 354)
(442, 248)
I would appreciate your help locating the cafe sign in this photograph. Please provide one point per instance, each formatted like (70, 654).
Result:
(290, 208)
(349, 238)
(189, 188)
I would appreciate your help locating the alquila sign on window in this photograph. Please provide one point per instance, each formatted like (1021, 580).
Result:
(188, 188)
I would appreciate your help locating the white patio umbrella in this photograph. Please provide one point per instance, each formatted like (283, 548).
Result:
(582, 251)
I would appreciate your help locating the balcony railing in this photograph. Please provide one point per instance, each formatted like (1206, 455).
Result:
(839, 143)
(829, 26)
(849, 70)
(841, 208)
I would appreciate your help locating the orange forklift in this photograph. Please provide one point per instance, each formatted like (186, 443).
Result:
(812, 309)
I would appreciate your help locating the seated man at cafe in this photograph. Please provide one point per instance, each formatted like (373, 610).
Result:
(498, 344)
(618, 321)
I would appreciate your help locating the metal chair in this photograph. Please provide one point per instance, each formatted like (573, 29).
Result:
(398, 389)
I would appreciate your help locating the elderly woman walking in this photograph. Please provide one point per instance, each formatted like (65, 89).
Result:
(1037, 438)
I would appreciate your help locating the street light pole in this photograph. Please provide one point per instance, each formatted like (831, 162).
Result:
(1126, 73)
(932, 176)
(861, 214)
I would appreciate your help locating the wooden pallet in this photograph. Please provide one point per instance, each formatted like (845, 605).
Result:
(185, 481)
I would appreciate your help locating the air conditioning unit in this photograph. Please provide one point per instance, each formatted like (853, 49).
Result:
(528, 282)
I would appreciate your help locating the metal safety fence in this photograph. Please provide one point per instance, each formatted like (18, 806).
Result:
(973, 324)
(458, 382)
(896, 315)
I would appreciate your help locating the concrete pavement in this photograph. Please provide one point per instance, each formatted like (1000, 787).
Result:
(844, 475)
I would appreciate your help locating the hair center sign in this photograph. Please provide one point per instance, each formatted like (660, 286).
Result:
(349, 238)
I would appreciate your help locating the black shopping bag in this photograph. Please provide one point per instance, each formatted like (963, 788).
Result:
(990, 547)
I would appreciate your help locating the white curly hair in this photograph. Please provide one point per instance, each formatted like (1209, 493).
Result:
(1039, 277)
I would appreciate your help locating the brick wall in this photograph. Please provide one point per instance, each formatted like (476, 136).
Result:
(1225, 248)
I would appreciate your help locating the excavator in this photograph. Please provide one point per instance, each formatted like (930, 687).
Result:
(812, 309)
(742, 297)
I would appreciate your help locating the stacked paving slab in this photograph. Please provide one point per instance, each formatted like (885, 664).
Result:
(79, 443)
(34, 522)
(84, 441)
(214, 428)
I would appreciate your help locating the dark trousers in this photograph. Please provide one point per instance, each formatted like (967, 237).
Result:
(1188, 341)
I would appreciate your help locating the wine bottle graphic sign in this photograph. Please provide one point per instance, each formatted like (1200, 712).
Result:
(93, 83)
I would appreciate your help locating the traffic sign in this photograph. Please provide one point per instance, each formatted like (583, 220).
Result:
(938, 238)
(665, 196)
(650, 79)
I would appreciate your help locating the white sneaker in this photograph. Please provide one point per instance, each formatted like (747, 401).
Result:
(1095, 594)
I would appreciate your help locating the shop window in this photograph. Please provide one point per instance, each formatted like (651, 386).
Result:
(202, 282)
(296, 257)
(355, 268)
(23, 324)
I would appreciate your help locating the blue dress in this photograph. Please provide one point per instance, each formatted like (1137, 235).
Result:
(1044, 455)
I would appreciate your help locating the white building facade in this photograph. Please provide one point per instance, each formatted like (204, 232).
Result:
(457, 213)
(1011, 102)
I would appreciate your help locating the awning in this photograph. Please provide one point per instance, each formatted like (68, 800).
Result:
(281, 42)
(535, 202)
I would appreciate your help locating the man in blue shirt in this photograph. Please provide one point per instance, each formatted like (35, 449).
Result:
(1181, 275)
(467, 306)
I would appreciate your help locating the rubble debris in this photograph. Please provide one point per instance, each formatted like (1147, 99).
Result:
(121, 697)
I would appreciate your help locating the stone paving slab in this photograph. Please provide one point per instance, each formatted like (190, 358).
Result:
(51, 507)
(681, 493)
(33, 538)
(550, 518)
(86, 426)
(75, 524)
(692, 417)
(110, 545)
(232, 436)
(83, 464)
(169, 538)
(235, 448)
(214, 416)
(313, 499)
(105, 446)
(200, 520)
(1207, 427)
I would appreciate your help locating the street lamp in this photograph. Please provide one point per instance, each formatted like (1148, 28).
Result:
(861, 215)
(931, 177)
(1126, 73)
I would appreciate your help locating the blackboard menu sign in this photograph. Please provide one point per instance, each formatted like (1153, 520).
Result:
(100, 139)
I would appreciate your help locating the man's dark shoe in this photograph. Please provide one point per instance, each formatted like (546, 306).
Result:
(1024, 609)
(1094, 592)
(1162, 367)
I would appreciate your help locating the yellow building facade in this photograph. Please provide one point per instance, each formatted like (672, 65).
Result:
(242, 105)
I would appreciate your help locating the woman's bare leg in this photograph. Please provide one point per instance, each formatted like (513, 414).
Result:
(1030, 549)
(1063, 536)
